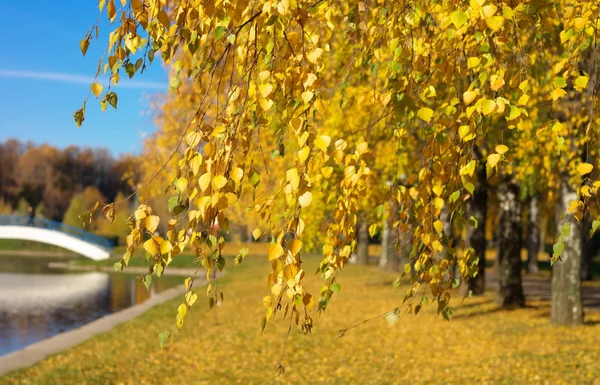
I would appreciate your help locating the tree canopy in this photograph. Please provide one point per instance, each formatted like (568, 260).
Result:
(344, 108)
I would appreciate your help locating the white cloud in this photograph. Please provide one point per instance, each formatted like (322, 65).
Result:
(78, 79)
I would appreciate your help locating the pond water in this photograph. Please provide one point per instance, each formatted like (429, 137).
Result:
(37, 302)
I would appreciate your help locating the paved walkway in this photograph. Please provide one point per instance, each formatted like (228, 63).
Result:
(541, 288)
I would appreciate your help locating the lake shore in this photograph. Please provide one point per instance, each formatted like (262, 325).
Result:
(33, 353)
(174, 271)
(38, 253)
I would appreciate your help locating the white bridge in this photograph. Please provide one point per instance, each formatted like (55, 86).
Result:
(57, 234)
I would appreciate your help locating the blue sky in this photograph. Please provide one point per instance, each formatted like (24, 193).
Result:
(44, 79)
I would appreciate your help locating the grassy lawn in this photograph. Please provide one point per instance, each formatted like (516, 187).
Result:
(16, 244)
(224, 345)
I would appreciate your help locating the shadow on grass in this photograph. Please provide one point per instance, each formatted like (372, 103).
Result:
(485, 312)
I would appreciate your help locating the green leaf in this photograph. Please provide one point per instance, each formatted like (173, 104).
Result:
(211, 302)
(112, 99)
(174, 83)
(231, 38)
(79, 116)
(147, 281)
(220, 263)
(557, 250)
(336, 287)
(469, 187)
(447, 313)
(473, 221)
(560, 82)
(380, 211)
(407, 268)
(173, 202)
(459, 18)
(565, 230)
(162, 338)
(595, 225)
(220, 32)
(117, 266)
(454, 196)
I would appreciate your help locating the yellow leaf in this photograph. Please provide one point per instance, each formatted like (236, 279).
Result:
(190, 298)
(496, 82)
(438, 203)
(256, 233)
(303, 154)
(493, 159)
(305, 199)
(501, 149)
(165, 247)
(439, 226)
(264, 75)
(469, 96)
(584, 168)
(438, 189)
(181, 184)
(425, 113)
(265, 89)
(494, 22)
(195, 164)
(266, 104)
(151, 223)
(307, 96)
(296, 246)
(204, 181)
(96, 89)
(322, 142)
(151, 247)
(523, 100)
(326, 171)
(275, 251)
(237, 174)
(473, 62)
(219, 182)
(293, 177)
(164, 19)
(315, 54)
(581, 83)
(267, 301)
(488, 106)
(489, 10)
(557, 94)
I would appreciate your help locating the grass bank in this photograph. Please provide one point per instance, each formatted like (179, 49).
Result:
(225, 345)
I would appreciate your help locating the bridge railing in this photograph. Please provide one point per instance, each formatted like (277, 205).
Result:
(13, 220)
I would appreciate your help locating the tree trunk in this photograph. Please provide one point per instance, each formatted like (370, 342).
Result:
(510, 292)
(385, 240)
(587, 252)
(363, 244)
(477, 208)
(533, 235)
(567, 308)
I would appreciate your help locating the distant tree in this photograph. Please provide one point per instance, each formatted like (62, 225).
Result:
(119, 228)
(80, 203)
(75, 209)
(22, 207)
(5, 208)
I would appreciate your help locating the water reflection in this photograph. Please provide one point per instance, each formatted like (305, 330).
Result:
(37, 302)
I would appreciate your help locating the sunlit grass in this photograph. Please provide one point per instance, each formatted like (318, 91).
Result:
(225, 345)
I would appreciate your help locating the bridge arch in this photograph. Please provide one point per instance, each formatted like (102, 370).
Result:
(57, 234)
